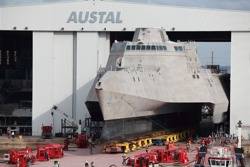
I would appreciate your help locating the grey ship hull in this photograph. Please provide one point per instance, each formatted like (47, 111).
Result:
(121, 105)
(135, 93)
(142, 83)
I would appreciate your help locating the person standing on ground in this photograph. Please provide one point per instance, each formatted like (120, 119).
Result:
(91, 144)
(12, 134)
(56, 164)
(18, 162)
(86, 164)
(29, 160)
(46, 155)
(188, 145)
(8, 132)
(124, 159)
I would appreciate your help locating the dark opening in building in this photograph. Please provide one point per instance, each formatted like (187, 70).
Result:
(16, 82)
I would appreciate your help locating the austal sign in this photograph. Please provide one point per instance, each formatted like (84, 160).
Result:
(95, 17)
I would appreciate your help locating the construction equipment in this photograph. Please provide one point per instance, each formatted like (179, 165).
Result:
(158, 142)
(69, 126)
(49, 151)
(46, 132)
(118, 147)
(156, 138)
(166, 156)
(171, 154)
(81, 141)
(143, 160)
(21, 157)
(182, 156)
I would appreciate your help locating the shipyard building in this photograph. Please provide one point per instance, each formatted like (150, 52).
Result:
(50, 54)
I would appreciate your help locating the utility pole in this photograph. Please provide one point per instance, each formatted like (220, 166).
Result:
(239, 133)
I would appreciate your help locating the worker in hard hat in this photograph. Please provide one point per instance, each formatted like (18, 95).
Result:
(56, 164)
(46, 155)
(12, 134)
(167, 145)
(91, 144)
(124, 159)
(86, 164)
(188, 145)
(92, 164)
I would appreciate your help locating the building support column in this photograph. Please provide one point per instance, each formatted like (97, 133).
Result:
(240, 80)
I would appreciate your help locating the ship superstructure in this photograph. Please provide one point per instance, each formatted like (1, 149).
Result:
(152, 75)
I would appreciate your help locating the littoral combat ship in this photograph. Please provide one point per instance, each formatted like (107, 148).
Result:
(153, 76)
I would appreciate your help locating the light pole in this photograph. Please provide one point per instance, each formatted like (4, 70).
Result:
(52, 114)
(239, 133)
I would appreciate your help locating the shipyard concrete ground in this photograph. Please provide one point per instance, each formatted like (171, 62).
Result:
(76, 158)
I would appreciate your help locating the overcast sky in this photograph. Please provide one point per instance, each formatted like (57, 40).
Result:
(220, 4)
(221, 52)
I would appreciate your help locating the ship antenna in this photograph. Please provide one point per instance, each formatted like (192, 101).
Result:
(212, 58)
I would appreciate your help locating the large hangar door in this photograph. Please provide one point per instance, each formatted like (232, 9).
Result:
(52, 82)
(64, 67)
(15, 82)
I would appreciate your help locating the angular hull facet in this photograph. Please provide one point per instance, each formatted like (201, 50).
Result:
(148, 78)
